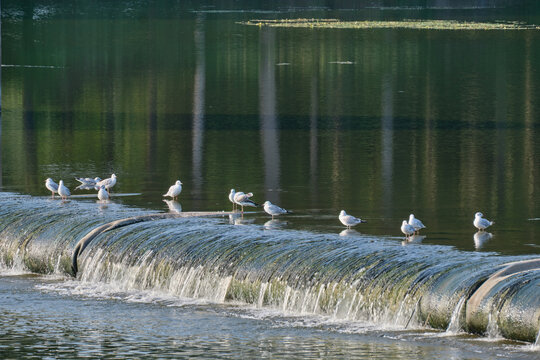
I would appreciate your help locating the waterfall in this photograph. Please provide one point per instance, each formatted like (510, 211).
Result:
(296, 272)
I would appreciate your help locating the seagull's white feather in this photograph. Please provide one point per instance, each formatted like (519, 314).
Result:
(273, 210)
(416, 223)
(109, 182)
(103, 194)
(243, 199)
(63, 191)
(480, 223)
(51, 185)
(174, 190)
(407, 229)
(349, 220)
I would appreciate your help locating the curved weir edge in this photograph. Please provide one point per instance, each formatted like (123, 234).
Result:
(87, 239)
(479, 306)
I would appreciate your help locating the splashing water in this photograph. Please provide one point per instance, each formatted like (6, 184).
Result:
(492, 331)
(454, 327)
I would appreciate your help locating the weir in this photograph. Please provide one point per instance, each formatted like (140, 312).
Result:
(371, 279)
(83, 243)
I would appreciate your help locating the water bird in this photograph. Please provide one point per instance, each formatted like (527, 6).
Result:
(63, 191)
(231, 199)
(243, 199)
(51, 185)
(109, 182)
(88, 181)
(407, 229)
(349, 220)
(174, 190)
(273, 210)
(416, 223)
(103, 193)
(480, 223)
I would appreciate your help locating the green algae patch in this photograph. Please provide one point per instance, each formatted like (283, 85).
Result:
(403, 24)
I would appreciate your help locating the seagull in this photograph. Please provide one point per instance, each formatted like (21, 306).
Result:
(273, 210)
(416, 223)
(109, 183)
(349, 220)
(244, 200)
(231, 199)
(480, 223)
(407, 229)
(174, 190)
(102, 193)
(62, 190)
(88, 181)
(52, 186)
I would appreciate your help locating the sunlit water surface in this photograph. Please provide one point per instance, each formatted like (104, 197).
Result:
(380, 123)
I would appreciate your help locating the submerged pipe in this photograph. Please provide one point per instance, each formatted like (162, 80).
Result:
(487, 300)
(85, 240)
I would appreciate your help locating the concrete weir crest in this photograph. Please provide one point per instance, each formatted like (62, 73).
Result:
(87, 239)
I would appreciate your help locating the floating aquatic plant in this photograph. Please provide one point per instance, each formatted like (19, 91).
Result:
(402, 24)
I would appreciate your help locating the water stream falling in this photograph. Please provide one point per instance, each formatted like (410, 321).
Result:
(455, 326)
(367, 279)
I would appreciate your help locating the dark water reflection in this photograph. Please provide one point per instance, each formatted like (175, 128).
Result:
(381, 123)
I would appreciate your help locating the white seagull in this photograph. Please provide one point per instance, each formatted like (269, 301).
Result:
(231, 199)
(349, 220)
(273, 210)
(244, 200)
(416, 223)
(88, 181)
(480, 223)
(407, 229)
(109, 182)
(51, 185)
(102, 193)
(174, 190)
(62, 190)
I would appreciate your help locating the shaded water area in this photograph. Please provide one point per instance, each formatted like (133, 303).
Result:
(379, 122)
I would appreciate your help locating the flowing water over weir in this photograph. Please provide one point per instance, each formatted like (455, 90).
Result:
(360, 278)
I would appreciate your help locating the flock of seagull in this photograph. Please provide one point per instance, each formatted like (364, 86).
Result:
(103, 186)
(408, 228)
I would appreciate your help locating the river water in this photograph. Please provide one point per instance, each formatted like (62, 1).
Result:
(381, 123)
